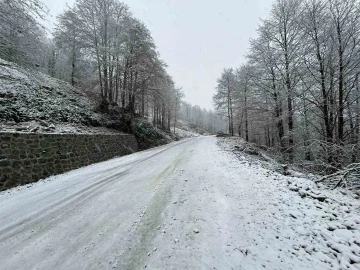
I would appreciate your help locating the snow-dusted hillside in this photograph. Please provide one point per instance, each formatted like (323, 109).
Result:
(183, 130)
(32, 101)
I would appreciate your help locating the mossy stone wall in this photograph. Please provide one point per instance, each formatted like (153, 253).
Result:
(26, 157)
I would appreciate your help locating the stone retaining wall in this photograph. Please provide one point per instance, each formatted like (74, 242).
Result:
(26, 158)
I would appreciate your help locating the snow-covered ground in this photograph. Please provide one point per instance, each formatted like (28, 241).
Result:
(182, 133)
(31, 101)
(187, 205)
(46, 127)
(32, 96)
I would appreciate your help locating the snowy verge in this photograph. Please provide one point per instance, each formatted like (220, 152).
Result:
(309, 223)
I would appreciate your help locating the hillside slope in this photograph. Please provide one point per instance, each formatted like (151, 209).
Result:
(32, 101)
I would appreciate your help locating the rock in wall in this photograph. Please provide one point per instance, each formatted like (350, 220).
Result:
(26, 157)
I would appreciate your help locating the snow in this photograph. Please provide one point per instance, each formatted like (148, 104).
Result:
(34, 102)
(182, 133)
(60, 128)
(187, 130)
(229, 214)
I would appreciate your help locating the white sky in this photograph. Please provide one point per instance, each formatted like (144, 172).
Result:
(196, 38)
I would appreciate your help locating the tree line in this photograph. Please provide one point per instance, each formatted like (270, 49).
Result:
(99, 46)
(298, 90)
(202, 120)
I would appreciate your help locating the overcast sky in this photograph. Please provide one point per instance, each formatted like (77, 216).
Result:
(196, 38)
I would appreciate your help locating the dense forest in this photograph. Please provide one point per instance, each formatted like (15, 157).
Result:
(101, 48)
(299, 89)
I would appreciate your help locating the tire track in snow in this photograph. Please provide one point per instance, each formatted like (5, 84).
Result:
(61, 208)
(146, 230)
(58, 209)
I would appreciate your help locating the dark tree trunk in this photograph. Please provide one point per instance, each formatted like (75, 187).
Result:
(341, 121)
(246, 116)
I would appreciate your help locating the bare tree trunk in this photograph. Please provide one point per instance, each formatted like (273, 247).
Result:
(73, 59)
(154, 115)
(289, 98)
(278, 112)
(125, 86)
(169, 119)
(246, 115)
(307, 133)
(341, 87)
(143, 101)
(175, 113)
(357, 118)
(228, 109)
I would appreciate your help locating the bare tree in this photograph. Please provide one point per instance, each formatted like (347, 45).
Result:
(21, 33)
(224, 99)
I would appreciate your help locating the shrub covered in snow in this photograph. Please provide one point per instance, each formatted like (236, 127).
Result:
(147, 135)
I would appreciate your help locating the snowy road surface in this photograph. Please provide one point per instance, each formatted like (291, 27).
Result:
(187, 205)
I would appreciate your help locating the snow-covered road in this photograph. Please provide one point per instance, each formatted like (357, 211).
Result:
(187, 205)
